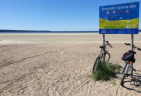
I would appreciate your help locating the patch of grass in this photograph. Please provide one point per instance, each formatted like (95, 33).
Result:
(105, 71)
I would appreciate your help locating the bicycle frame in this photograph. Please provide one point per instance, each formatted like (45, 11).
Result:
(101, 53)
(127, 64)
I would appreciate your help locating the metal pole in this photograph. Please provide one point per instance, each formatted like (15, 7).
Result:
(104, 48)
(132, 50)
(132, 41)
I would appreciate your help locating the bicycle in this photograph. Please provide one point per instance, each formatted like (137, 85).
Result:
(100, 56)
(129, 59)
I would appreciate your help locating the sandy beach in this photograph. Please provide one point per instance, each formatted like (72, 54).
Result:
(65, 38)
(59, 65)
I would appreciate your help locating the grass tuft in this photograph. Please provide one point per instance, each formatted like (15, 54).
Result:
(105, 71)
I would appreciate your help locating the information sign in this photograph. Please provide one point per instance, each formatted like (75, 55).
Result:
(119, 18)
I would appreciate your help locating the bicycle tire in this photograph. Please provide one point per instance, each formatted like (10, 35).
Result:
(122, 79)
(94, 67)
(108, 56)
(124, 74)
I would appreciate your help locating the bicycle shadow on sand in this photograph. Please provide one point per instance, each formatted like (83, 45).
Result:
(135, 81)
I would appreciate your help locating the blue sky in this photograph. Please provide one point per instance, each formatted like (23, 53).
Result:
(53, 15)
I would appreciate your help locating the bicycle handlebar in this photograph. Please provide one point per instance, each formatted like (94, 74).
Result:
(133, 46)
(108, 44)
(127, 43)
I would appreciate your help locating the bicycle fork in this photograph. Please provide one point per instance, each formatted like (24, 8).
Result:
(126, 69)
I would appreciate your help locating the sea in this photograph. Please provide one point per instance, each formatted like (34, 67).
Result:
(51, 32)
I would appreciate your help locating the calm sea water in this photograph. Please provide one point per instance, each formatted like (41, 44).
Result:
(57, 32)
(54, 32)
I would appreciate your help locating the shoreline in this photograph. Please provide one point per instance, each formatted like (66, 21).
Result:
(60, 34)
(48, 33)
(7, 38)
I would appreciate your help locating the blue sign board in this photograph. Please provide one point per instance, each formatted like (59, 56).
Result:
(119, 19)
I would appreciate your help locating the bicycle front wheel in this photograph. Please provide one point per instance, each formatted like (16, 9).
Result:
(122, 79)
(95, 64)
(107, 57)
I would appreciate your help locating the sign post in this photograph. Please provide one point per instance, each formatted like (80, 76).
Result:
(103, 48)
(132, 45)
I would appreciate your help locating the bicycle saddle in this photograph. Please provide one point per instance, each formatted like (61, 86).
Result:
(101, 47)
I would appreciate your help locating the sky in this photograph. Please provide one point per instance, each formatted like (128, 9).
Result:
(53, 15)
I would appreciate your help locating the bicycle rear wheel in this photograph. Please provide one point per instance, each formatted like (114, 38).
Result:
(95, 64)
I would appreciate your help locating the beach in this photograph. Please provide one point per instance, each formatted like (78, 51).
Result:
(58, 64)
(65, 38)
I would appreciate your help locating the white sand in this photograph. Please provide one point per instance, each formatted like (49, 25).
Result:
(66, 37)
(54, 67)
